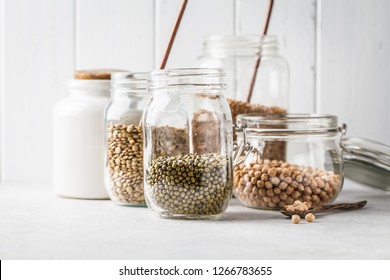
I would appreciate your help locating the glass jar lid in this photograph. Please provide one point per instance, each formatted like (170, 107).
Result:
(367, 162)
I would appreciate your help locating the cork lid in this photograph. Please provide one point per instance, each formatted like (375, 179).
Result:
(97, 74)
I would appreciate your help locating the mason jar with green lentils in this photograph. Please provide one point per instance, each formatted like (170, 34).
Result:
(187, 144)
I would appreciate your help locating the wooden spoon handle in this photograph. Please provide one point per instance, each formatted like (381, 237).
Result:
(342, 206)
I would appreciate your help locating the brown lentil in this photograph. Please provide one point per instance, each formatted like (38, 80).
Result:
(272, 150)
(125, 163)
(238, 107)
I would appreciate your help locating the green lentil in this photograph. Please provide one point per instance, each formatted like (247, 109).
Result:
(204, 195)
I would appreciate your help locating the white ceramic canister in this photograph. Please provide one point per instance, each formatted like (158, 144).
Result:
(78, 137)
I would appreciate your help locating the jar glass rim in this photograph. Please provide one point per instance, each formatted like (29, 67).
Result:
(289, 122)
(239, 45)
(286, 117)
(187, 79)
(176, 72)
(235, 38)
(129, 82)
(123, 77)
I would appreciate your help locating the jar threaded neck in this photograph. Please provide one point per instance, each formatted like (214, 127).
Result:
(219, 45)
(187, 79)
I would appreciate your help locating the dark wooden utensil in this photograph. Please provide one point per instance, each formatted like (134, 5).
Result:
(340, 206)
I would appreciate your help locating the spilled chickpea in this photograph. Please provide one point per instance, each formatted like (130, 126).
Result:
(300, 207)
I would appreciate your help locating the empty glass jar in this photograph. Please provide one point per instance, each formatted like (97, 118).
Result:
(124, 147)
(188, 144)
(310, 168)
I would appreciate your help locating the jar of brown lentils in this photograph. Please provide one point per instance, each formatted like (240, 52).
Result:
(123, 131)
(308, 166)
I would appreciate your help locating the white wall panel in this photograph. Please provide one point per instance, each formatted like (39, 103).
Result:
(355, 65)
(294, 22)
(201, 18)
(37, 61)
(115, 34)
(1, 86)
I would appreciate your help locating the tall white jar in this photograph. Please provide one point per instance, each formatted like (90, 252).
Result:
(78, 139)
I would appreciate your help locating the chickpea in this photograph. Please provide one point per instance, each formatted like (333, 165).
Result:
(295, 219)
(310, 217)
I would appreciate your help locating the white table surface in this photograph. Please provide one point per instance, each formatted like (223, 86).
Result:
(36, 224)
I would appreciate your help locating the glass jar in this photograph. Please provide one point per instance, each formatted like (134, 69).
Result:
(124, 147)
(237, 56)
(78, 137)
(188, 144)
(311, 169)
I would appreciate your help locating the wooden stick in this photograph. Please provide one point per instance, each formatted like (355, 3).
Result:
(258, 61)
(171, 40)
(173, 35)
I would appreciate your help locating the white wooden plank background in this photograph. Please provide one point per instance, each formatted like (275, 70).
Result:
(38, 59)
(355, 66)
(201, 18)
(115, 34)
(294, 24)
(338, 53)
(1, 87)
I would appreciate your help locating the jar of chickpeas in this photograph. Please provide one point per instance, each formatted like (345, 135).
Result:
(309, 167)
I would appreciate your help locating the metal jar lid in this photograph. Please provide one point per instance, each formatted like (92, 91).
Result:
(367, 162)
